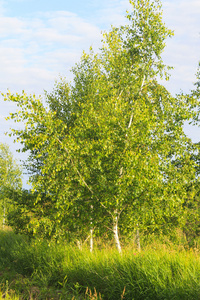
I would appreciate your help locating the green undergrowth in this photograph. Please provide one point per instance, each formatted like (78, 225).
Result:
(36, 270)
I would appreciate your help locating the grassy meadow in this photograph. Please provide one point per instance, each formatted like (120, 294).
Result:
(38, 270)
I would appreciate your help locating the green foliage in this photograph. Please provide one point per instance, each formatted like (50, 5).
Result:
(110, 149)
(22, 211)
(192, 203)
(10, 179)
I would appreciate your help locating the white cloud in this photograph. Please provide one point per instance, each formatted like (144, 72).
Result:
(182, 50)
(113, 12)
(11, 26)
(2, 9)
(34, 51)
(183, 17)
(51, 36)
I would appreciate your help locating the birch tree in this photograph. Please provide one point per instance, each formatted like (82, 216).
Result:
(109, 141)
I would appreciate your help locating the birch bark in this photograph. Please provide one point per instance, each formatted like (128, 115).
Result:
(116, 235)
(91, 230)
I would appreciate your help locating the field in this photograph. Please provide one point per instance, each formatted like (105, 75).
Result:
(38, 270)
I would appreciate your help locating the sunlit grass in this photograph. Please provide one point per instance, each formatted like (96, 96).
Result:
(37, 270)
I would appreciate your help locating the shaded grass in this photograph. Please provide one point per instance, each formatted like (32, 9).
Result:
(36, 270)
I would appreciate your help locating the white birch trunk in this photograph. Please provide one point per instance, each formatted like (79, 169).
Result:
(91, 230)
(116, 235)
(138, 238)
(91, 239)
(79, 244)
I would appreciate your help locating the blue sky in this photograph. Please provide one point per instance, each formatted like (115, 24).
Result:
(40, 40)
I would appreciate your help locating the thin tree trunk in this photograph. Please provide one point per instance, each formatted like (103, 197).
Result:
(138, 238)
(4, 216)
(79, 244)
(91, 230)
(116, 235)
(91, 239)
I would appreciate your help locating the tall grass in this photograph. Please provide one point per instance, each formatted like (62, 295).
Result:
(36, 269)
